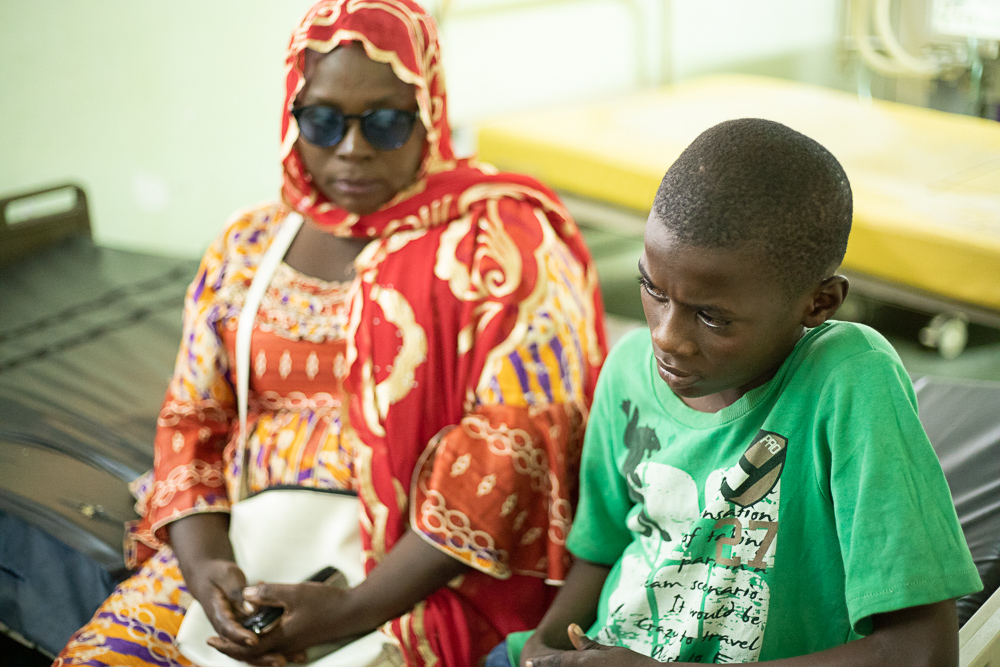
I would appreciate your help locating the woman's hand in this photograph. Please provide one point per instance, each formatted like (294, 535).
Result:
(310, 617)
(218, 584)
(318, 614)
(205, 556)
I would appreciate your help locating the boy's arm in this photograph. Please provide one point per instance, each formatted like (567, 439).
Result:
(576, 603)
(922, 636)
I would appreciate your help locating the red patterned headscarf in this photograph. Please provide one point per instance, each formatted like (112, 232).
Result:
(400, 34)
(473, 340)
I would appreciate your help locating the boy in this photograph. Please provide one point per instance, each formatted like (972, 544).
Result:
(756, 485)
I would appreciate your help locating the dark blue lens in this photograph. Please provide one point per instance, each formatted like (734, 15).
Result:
(321, 126)
(387, 129)
(384, 129)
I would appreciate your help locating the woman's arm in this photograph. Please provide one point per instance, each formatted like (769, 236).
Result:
(205, 556)
(409, 573)
(922, 636)
(318, 614)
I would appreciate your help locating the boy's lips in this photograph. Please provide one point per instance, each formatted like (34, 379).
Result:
(674, 377)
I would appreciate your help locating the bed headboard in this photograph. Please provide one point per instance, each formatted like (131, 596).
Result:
(30, 221)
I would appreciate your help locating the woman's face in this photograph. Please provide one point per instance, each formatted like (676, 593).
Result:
(352, 174)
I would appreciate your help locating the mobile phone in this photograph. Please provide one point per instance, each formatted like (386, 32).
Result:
(265, 618)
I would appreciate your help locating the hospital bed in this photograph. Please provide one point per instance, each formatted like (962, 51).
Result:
(88, 337)
(926, 184)
(961, 420)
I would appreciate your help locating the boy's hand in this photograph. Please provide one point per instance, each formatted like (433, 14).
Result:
(589, 653)
(553, 642)
(582, 642)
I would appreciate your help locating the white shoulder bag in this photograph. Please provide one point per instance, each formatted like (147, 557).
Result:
(286, 534)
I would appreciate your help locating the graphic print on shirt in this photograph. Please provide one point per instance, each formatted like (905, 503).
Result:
(641, 442)
(758, 470)
(693, 588)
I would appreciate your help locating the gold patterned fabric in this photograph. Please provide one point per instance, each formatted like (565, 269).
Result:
(448, 384)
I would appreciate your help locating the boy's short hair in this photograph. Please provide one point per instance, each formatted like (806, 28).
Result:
(758, 184)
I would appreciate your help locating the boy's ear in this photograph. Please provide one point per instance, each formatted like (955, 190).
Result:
(825, 301)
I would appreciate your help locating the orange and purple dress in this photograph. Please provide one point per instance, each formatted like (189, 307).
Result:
(448, 383)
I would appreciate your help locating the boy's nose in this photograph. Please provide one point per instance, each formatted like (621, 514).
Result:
(672, 334)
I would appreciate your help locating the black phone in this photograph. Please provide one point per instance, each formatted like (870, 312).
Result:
(265, 618)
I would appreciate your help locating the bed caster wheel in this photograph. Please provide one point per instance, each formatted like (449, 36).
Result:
(947, 333)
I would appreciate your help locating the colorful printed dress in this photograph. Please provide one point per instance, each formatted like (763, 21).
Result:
(448, 384)
(491, 482)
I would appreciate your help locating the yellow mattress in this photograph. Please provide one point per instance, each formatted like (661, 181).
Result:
(926, 183)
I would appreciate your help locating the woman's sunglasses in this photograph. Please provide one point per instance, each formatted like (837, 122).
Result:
(384, 129)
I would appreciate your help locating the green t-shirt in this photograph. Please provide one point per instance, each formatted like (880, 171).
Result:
(775, 527)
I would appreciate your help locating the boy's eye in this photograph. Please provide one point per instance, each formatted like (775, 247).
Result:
(649, 289)
(713, 322)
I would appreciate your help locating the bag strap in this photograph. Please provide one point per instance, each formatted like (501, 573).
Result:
(273, 256)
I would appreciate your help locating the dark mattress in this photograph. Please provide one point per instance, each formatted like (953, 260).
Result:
(88, 337)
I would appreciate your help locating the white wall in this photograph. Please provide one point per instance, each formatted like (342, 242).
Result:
(550, 52)
(167, 112)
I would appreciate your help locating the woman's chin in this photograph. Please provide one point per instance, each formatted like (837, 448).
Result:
(361, 202)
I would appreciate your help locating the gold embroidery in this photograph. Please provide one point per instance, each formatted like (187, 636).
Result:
(183, 478)
(486, 485)
(414, 348)
(509, 505)
(421, 635)
(531, 536)
(294, 307)
(460, 465)
(475, 547)
(207, 410)
(285, 364)
(402, 502)
(528, 310)
(296, 401)
(374, 521)
(475, 281)
(527, 460)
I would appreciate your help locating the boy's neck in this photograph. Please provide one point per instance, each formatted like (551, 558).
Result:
(714, 402)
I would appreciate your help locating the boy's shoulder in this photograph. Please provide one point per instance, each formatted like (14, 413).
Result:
(842, 356)
(834, 354)
(834, 342)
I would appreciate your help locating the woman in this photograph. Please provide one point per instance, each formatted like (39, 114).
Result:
(431, 341)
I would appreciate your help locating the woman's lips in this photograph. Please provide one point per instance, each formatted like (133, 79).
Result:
(675, 378)
(355, 187)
